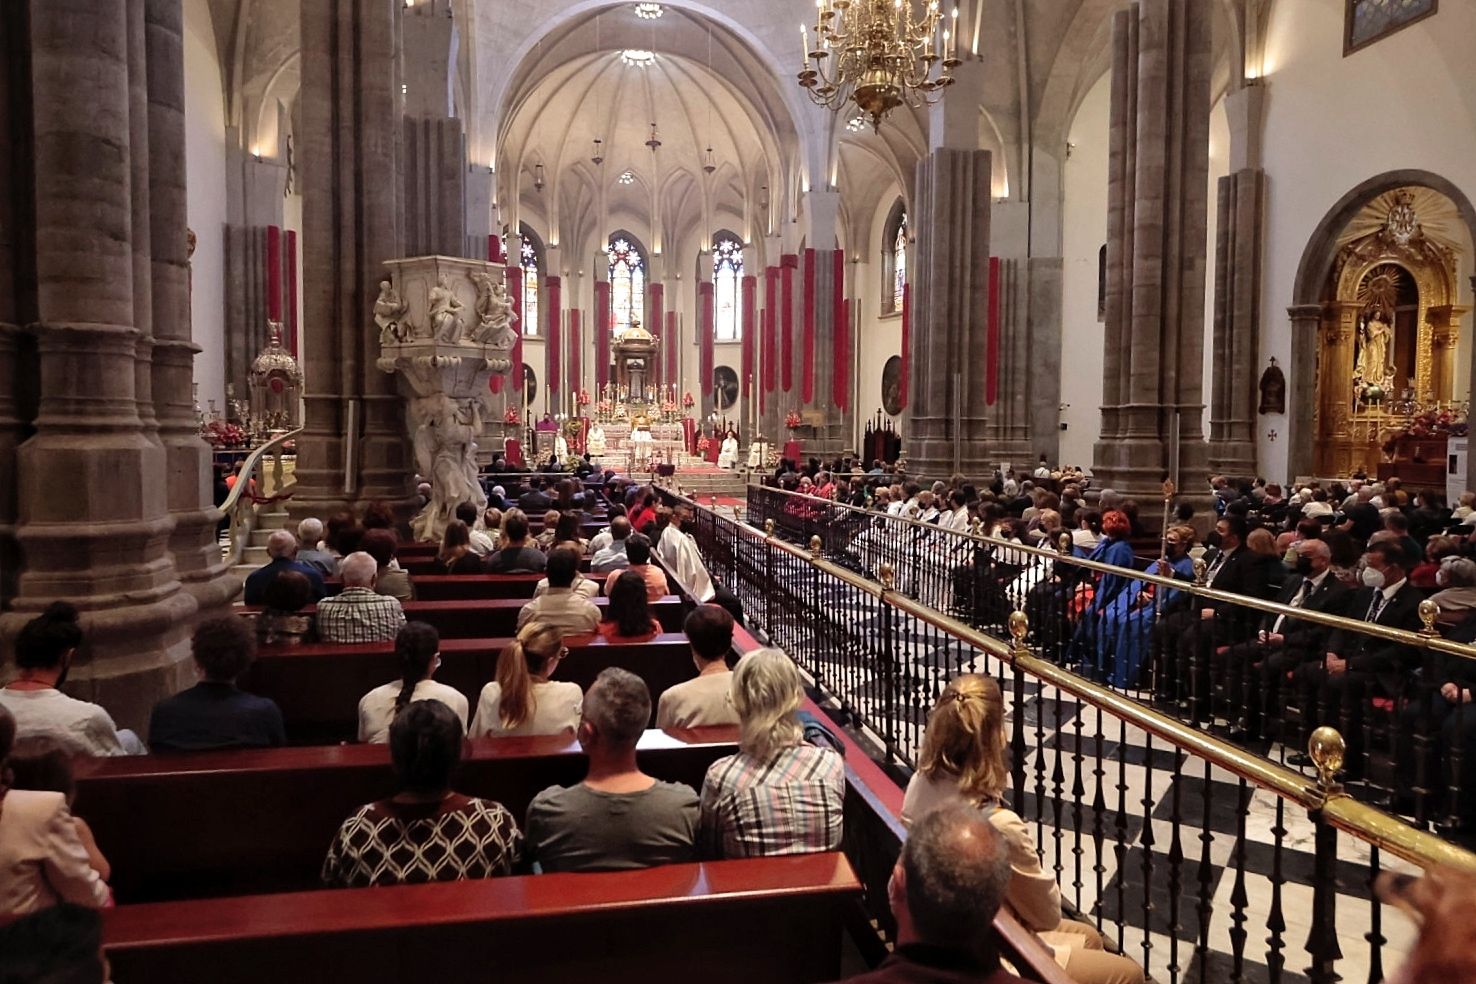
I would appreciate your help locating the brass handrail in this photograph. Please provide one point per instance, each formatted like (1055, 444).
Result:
(238, 504)
(1357, 819)
(1427, 639)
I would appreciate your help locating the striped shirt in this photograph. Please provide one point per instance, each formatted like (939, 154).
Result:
(359, 615)
(790, 803)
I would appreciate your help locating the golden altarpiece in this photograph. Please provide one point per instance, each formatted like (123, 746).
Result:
(1387, 338)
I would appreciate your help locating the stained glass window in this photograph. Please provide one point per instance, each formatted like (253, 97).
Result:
(1367, 21)
(899, 264)
(727, 275)
(530, 288)
(627, 284)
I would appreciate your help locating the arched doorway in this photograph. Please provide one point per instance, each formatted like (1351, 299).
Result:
(1378, 322)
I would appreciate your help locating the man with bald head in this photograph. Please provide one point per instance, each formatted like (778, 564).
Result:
(282, 549)
(1258, 668)
(358, 613)
(613, 557)
(944, 891)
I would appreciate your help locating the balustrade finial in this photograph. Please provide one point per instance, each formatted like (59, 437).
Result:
(768, 527)
(1429, 611)
(1201, 572)
(1019, 628)
(887, 574)
(1328, 751)
(1064, 544)
(815, 546)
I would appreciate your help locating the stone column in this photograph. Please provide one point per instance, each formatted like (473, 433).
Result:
(92, 511)
(1302, 407)
(945, 423)
(434, 165)
(353, 446)
(1158, 173)
(1237, 324)
(190, 492)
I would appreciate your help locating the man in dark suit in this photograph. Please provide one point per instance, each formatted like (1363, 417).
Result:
(1438, 724)
(1220, 624)
(1359, 667)
(1258, 668)
(535, 500)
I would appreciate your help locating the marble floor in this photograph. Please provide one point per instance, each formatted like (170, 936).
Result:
(1251, 881)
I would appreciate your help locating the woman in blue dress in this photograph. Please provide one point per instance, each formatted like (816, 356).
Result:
(1137, 607)
(1096, 635)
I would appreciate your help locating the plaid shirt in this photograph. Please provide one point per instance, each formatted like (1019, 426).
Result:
(791, 803)
(359, 615)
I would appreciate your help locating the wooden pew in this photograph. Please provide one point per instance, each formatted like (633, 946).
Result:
(470, 587)
(318, 686)
(730, 922)
(499, 616)
(260, 820)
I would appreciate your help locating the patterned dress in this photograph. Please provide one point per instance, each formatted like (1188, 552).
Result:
(389, 843)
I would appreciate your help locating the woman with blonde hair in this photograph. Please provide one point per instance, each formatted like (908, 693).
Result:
(778, 795)
(523, 700)
(963, 762)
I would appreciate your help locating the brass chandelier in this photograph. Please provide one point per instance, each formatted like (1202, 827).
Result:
(878, 54)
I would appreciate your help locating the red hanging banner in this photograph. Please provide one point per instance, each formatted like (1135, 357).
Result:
(840, 370)
(704, 297)
(552, 363)
(750, 289)
(576, 355)
(602, 336)
(807, 340)
(274, 273)
(787, 265)
(515, 290)
(671, 352)
(906, 344)
(771, 304)
(991, 337)
(292, 292)
(494, 249)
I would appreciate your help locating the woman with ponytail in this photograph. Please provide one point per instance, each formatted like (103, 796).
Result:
(963, 762)
(523, 700)
(418, 649)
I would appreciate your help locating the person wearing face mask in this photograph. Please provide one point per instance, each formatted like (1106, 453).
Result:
(1455, 596)
(1358, 667)
(1284, 644)
(1136, 606)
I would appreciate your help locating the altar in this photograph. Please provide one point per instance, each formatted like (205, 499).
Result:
(620, 447)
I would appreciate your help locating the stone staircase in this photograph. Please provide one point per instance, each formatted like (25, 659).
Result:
(255, 554)
(702, 485)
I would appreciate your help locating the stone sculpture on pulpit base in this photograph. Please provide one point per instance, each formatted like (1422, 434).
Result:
(444, 365)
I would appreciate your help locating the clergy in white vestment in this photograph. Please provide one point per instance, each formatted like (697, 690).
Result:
(728, 453)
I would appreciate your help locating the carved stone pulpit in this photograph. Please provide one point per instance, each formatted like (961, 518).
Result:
(445, 326)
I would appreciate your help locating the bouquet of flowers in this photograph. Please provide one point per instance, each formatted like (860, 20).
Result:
(1427, 423)
(223, 434)
(603, 406)
(511, 416)
(792, 419)
(582, 398)
(703, 443)
(687, 400)
(668, 407)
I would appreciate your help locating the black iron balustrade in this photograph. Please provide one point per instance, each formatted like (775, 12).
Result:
(1089, 783)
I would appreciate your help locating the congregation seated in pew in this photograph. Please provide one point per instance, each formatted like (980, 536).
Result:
(215, 713)
(706, 700)
(628, 614)
(418, 649)
(561, 606)
(456, 555)
(779, 794)
(618, 818)
(426, 831)
(44, 651)
(638, 556)
(359, 613)
(515, 555)
(523, 700)
(282, 548)
(282, 621)
(391, 579)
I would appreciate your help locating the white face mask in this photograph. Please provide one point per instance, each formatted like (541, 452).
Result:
(1373, 578)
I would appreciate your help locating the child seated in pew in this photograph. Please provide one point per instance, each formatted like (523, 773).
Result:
(418, 648)
(425, 832)
(42, 765)
(618, 818)
(523, 700)
(628, 616)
